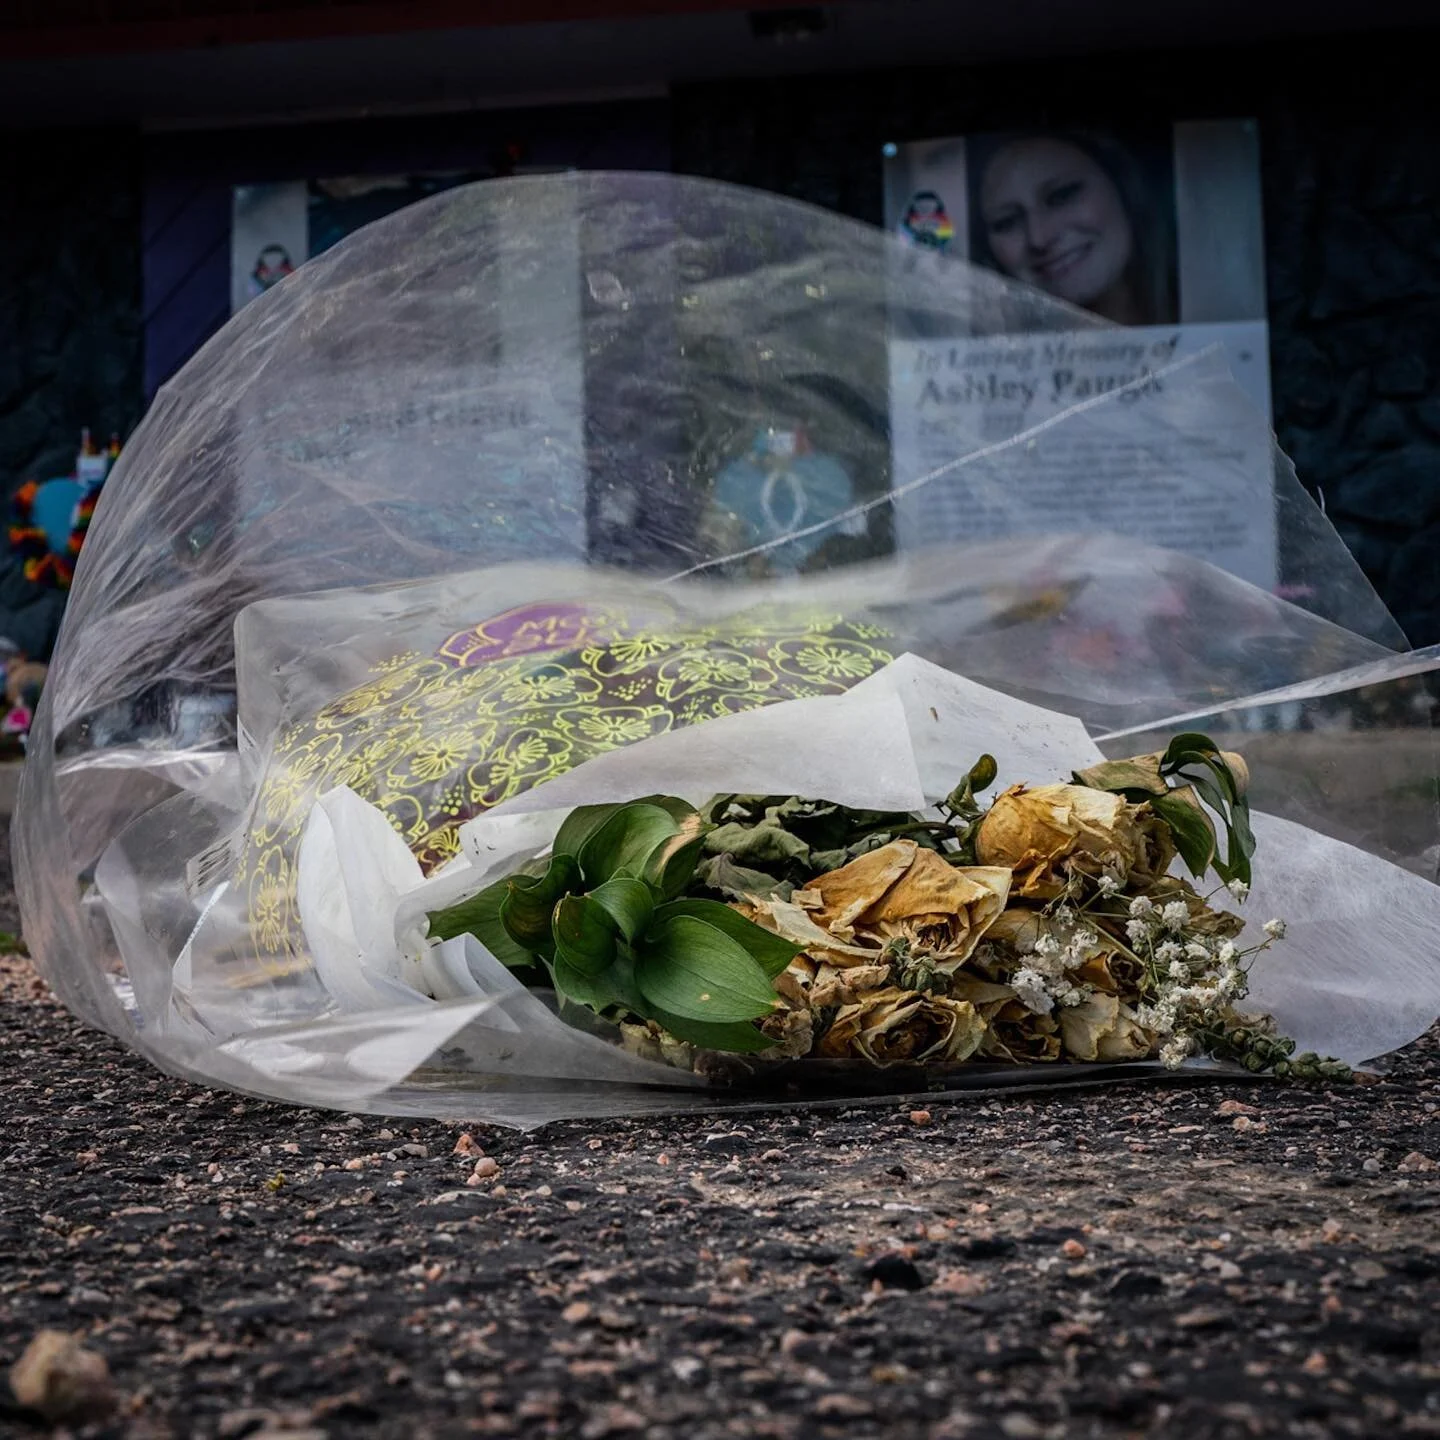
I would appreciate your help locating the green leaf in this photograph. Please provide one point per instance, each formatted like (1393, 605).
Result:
(682, 812)
(982, 773)
(480, 916)
(584, 934)
(1218, 777)
(760, 844)
(578, 826)
(622, 977)
(1191, 828)
(526, 910)
(672, 867)
(672, 863)
(720, 872)
(738, 1037)
(1188, 744)
(624, 842)
(1240, 824)
(767, 949)
(696, 971)
(629, 904)
(599, 992)
(1218, 787)
(1206, 788)
(1121, 775)
(1240, 846)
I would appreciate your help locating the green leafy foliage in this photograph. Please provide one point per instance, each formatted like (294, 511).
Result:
(583, 934)
(530, 899)
(761, 846)
(606, 918)
(739, 1036)
(1190, 782)
(1196, 760)
(629, 904)
(770, 951)
(696, 971)
(626, 842)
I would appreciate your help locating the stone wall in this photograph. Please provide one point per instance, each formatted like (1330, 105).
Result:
(1350, 141)
(70, 327)
(70, 322)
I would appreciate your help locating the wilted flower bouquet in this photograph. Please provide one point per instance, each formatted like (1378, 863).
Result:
(1042, 926)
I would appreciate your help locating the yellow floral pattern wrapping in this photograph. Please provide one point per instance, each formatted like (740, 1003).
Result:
(433, 740)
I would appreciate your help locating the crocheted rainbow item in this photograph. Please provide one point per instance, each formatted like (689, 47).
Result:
(42, 565)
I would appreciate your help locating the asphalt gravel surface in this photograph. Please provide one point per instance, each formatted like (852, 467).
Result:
(1163, 1259)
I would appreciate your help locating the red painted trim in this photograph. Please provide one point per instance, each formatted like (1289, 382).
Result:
(33, 31)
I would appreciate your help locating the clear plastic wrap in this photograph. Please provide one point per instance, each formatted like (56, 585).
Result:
(514, 400)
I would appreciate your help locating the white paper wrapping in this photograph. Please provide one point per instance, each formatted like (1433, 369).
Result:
(1353, 978)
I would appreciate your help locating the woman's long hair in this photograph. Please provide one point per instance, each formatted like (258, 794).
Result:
(1147, 194)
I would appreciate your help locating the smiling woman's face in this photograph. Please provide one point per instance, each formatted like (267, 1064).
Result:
(1054, 219)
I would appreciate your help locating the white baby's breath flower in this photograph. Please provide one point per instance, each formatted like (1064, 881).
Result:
(1140, 906)
(1072, 996)
(1173, 1052)
(1107, 885)
(1048, 946)
(1197, 950)
(1177, 970)
(1275, 929)
(1138, 931)
(1232, 982)
(1030, 990)
(1065, 914)
(1204, 997)
(1168, 950)
(1163, 1015)
(1238, 888)
(1226, 953)
(1176, 915)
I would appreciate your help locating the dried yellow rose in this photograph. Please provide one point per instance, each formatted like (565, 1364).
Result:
(819, 984)
(1035, 831)
(793, 1032)
(795, 924)
(893, 1026)
(1018, 1035)
(1102, 1027)
(903, 890)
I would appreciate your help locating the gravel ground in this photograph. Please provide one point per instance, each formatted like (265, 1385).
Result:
(1201, 1259)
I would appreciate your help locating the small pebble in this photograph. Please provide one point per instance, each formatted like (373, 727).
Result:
(60, 1379)
(485, 1169)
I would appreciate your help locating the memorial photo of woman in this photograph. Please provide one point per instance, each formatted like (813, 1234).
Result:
(1080, 215)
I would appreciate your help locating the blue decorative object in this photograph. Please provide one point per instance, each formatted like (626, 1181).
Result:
(782, 487)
